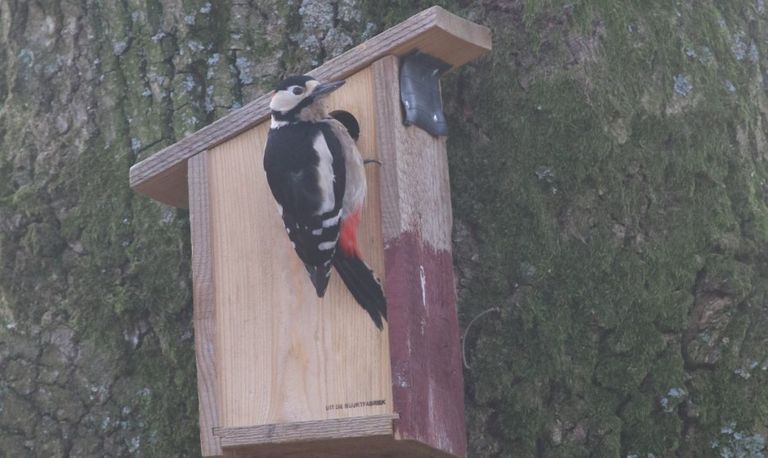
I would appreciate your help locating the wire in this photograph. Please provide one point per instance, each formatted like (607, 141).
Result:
(466, 331)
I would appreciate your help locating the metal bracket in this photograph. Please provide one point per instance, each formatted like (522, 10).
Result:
(420, 92)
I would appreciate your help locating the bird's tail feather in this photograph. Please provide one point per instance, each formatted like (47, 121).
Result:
(319, 276)
(363, 285)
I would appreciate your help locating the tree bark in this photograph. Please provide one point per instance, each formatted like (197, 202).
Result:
(610, 194)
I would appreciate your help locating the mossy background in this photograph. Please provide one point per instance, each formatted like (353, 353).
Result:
(609, 178)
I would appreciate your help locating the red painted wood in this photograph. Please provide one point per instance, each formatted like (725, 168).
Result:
(427, 379)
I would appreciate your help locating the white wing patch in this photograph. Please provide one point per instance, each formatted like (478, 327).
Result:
(285, 100)
(333, 220)
(324, 174)
(325, 246)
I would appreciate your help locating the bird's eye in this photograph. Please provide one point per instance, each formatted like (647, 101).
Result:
(297, 90)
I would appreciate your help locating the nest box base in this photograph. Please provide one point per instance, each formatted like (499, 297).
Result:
(362, 447)
(370, 436)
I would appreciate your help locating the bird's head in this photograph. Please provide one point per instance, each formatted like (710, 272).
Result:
(295, 98)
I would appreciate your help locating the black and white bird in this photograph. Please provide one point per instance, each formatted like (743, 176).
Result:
(316, 175)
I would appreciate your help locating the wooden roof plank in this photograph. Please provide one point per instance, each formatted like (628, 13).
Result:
(434, 30)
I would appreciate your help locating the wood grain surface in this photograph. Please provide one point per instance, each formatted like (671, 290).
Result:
(283, 355)
(416, 187)
(204, 307)
(428, 385)
(335, 428)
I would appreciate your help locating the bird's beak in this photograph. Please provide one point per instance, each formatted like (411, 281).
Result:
(326, 88)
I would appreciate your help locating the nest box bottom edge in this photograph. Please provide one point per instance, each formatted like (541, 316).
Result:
(369, 436)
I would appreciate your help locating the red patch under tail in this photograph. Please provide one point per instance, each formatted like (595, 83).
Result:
(348, 235)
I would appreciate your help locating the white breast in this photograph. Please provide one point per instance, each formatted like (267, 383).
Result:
(355, 186)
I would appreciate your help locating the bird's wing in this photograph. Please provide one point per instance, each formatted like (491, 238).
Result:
(306, 174)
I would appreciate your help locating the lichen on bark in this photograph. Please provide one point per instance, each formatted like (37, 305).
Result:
(608, 164)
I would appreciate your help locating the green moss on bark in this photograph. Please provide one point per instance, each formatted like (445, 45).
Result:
(611, 177)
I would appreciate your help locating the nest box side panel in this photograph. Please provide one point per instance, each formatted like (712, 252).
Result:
(283, 355)
(428, 384)
(204, 310)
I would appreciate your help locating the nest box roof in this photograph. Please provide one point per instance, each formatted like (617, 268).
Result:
(163, 176)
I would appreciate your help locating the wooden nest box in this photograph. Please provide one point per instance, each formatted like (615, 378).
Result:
(279, 371)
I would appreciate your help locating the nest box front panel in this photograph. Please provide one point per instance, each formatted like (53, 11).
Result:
(282, 354)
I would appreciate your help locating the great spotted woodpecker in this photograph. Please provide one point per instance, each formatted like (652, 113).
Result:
(316, 175)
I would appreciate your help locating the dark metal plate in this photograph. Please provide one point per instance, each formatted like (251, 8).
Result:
(420, 92)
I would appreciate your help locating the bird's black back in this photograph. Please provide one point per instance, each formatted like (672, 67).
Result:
(291, 166)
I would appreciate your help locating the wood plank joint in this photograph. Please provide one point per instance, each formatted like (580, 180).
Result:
(336, 428)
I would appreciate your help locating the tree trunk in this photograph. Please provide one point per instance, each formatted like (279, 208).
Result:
(610, 191)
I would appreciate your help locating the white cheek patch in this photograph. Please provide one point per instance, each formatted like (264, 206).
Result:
(311, 85)
(283, 101)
